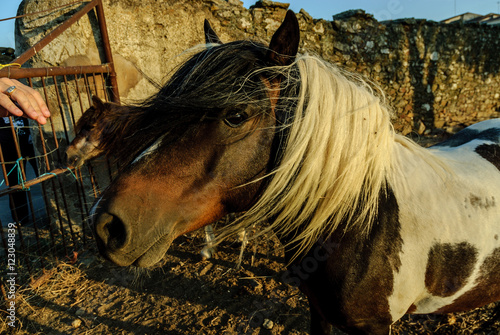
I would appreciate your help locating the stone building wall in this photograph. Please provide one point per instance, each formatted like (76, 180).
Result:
(435, 76)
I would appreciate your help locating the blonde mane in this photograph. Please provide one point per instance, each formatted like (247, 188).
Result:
(335, 162)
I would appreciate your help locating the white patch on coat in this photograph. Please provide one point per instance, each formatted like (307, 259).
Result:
(77, 145)
(436, 208)
(485, 125)
(149, 150)
(94, 209)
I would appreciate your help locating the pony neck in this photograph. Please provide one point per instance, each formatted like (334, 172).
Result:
(410, 158)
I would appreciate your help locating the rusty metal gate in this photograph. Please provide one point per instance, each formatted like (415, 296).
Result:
(49, 203)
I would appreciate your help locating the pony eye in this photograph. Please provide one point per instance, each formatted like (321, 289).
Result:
(236, 119)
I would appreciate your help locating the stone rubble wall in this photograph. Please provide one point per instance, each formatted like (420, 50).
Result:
(437, 77)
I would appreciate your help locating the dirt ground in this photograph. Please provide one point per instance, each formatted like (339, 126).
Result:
(189, 295)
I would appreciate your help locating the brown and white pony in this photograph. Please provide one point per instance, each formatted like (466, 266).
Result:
(374, 226)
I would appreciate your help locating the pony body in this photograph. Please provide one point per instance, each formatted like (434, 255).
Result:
(373, 225)
(433, 247)
(454, 222)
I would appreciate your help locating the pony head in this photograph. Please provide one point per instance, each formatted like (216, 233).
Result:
(198, 149)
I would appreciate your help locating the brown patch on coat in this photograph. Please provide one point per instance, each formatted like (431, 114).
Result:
(480, 202)
(486, 290)
(448, 267)
(490, 152)
(412, 309)
(351, 288)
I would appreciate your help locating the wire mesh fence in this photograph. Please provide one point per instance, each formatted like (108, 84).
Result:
(44, 204)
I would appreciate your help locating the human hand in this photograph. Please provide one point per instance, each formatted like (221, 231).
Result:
(29, 102)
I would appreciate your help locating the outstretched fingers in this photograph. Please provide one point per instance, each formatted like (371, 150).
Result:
(21, 100)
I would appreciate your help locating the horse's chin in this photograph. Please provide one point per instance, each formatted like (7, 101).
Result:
(149, 263)
(150, 258)
(154, 256)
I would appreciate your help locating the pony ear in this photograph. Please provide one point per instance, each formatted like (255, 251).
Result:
(285, 41)
(98, 104)
(210, 35)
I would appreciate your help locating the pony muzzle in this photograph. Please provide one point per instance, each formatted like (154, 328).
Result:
(119, 242)
(112, 236)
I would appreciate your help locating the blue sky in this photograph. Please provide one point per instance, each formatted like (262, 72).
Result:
(382, 9)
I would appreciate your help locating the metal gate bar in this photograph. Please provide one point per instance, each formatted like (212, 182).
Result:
(97, 4)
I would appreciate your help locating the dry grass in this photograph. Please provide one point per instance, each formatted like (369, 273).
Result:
(47, 287)
(93, 297)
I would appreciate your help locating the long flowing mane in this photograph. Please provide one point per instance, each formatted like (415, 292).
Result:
(335, 162)
(336, 145)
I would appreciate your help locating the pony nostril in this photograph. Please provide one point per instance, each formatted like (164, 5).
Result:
(112, 231)
(70, 159)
